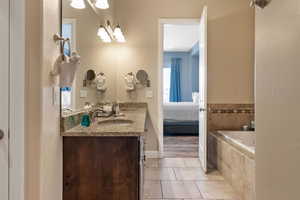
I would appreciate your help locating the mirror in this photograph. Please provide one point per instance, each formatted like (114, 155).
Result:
(142, 77)
(90, 75)
(98, 36)
(95, 79)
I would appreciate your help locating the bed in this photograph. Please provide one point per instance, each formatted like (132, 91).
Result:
(181, 119)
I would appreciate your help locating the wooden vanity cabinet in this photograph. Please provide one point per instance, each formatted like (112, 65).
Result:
(101, 168)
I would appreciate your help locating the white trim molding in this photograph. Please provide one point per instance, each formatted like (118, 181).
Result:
(161, 23)
(153, 154)
(17, 100)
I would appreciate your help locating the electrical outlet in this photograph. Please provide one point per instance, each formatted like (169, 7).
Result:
(56, 96)
(149, 94)
(83, 93)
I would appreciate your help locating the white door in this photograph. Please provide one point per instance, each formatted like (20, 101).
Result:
(4, 97)
(203, 90)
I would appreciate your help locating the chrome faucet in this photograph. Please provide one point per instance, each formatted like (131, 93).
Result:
(116, 109)
(96, 112)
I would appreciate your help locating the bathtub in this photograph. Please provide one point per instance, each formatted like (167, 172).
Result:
(233, 154)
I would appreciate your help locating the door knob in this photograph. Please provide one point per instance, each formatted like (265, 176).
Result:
(1, 134)
(202, 109)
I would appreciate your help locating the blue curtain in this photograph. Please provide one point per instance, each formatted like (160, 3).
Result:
(175, 89)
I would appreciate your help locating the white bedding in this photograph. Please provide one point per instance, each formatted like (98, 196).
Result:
(183, 111)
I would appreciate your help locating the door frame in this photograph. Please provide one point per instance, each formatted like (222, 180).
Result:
(17, 87)
(161, 23)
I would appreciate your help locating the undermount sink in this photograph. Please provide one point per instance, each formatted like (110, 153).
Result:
(115, 122)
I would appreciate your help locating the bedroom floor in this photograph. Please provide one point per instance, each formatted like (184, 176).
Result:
(181, 147)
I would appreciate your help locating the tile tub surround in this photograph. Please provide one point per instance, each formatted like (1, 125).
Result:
(229, 116)
(236, 164)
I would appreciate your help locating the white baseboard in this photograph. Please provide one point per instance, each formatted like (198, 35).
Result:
(153, 154)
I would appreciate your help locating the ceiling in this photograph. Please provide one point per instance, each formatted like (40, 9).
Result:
(180, 37)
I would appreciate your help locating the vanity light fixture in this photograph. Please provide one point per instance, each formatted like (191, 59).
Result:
(107, 34)
(103, 34)
(78, 4)
(102, 4)
(119, 34)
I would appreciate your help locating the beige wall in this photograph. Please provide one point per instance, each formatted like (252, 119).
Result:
(277, 101)
(231, 49)
(43, 143)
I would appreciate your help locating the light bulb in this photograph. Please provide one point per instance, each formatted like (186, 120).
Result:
(119, 34)
(102, 33)
(102, 4)
(78, 4)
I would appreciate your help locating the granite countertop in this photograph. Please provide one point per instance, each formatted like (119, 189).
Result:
(135, 114)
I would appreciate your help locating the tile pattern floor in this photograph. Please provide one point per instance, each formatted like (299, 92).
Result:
(181, 147)
(183, 179)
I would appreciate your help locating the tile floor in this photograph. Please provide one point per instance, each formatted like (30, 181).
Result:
(183, 179)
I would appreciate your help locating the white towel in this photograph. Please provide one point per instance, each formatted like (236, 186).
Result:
(66, 69)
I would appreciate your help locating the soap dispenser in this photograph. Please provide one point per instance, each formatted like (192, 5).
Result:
(85, 120)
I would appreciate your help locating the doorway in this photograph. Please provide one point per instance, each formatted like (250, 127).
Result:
(4, 100)
(182, 94)
(180, 80)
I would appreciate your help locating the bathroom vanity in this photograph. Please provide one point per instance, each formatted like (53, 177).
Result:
(105, 161)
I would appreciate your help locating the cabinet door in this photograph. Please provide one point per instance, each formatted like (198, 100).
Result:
(101, 168)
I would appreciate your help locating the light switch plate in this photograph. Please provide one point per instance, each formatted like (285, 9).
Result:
(56, 96)
(83, 93)
(149, 94)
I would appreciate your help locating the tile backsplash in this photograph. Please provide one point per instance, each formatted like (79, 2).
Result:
(229, 116)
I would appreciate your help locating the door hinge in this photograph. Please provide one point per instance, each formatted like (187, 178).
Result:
(9, 151)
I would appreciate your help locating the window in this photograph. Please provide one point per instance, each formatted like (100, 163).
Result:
(68, 31)
(167, 83)
(66, 98)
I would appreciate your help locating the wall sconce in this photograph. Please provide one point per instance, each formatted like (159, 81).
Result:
(78, 4)
(259, 3)
(102, 4)
(103, 34)
(107, 34)
(119, 34)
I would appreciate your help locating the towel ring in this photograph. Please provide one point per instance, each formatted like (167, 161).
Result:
(63, 42)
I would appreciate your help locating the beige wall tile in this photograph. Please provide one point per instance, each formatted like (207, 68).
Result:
(152, 190)
(192, 162)
(180, 189)
(238, 172)
(193, 174)
(216, 189)
(159, 174)
(249, 189)
(172, 162)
